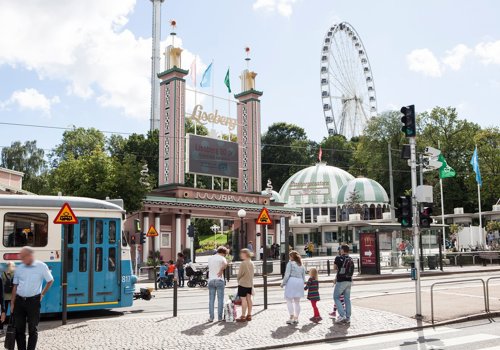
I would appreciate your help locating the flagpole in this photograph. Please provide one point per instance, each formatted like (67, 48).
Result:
(195, 180)
(479, 200)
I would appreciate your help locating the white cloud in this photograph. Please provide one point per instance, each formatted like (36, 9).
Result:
(455, 57)
(282, 7)
(84, 44)
(424, 61)
(31, 99)
(488, 52)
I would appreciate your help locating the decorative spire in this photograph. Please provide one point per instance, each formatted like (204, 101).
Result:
(173, 25)
(247, 50)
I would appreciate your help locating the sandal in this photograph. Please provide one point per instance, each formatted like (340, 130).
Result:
(241, 319)
(249, 317)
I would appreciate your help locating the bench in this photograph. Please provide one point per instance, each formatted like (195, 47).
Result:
(489, 256)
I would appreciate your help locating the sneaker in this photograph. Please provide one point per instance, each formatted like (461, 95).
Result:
(333, 314)
(290, 321)
(313, 319)
(319, 319)
(210, 320)
(340, 319)
(347, 320)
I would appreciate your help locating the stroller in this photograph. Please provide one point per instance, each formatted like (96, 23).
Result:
(196, 277)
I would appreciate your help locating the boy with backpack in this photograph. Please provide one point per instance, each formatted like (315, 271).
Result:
(344, 265)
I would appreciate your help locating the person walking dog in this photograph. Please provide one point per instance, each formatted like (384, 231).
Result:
(27, 296)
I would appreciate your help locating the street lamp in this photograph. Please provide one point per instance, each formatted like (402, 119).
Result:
(215, 228)
(241, 214)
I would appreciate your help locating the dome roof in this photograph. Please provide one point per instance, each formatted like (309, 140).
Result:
(370, 191)
(315, 185)
(275, 196)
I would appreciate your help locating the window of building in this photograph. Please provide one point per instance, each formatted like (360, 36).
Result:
(333, 214)
(21, 229)
(324, 211)
(330, 237)
(302, 238)
(166, 239)
(315, 214)
(307, 215)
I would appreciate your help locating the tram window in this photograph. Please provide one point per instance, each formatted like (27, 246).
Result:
(84, 231)
(83, 260)
(71, 233)
(98, 259)
(112, 232)
(112, 259)
(124, 239)
(70, 259)
(21, 229)
(98, 232)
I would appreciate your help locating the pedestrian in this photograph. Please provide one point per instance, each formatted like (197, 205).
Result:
(344, 265)
(216, 265)
(333, 314)
(170, 273)
(7, 285)
(310, 249)
(261, 253)
(276, 251)
(312, 287)
(293, 282)
(245, 285)
(490, 238)
(250, 246)
(179, 264)
(162, 275)
(27, 295)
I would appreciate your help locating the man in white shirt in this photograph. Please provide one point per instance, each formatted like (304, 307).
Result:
(216, 265)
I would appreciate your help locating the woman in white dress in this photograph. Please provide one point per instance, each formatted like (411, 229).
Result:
(293, 281)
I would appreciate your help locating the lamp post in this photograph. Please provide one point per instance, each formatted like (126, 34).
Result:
(215, 228)
(241, 214)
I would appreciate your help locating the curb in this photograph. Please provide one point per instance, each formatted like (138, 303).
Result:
(339, 339)
(392, 276)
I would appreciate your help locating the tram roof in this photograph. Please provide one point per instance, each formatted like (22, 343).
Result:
(55, 202)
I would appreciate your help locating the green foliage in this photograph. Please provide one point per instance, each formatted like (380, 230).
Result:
(78, 142)
(285, 150)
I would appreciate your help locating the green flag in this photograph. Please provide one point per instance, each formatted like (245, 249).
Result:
(227, 81)
(445, 170)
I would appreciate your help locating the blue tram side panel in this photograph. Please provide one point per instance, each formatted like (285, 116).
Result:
(99, 263)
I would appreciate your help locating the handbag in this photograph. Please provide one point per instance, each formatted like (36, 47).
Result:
(10, 335)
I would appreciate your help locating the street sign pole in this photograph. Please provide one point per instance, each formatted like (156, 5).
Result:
(64, 283)
(416, 232)
(264, 268)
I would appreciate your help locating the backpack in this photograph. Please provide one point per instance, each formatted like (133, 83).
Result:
(7, 284)
(347, 269)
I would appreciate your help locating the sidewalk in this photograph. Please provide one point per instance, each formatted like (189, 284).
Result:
(192, 332)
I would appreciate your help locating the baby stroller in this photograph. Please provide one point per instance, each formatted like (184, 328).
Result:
(196, 277)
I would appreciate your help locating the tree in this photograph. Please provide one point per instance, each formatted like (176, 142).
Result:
(30, 160)
(285, 150)
(338, 151)
(353, 202)
(78, 142)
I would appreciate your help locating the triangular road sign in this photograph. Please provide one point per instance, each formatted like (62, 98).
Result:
(152, 232)
(66, 215)
(264, 217)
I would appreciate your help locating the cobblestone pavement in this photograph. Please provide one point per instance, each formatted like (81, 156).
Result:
(267, 328)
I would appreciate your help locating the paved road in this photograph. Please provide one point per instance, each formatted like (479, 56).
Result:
(480, 335)
(192, 300)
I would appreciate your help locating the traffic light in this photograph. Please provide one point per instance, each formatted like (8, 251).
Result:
(408, 120)
(425, 218)
(191, 231)
(132, 240)
(404, 211)
(137, 225)
(142, 238)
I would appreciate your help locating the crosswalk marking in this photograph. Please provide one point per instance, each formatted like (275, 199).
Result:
(445, 343)
(352, 343)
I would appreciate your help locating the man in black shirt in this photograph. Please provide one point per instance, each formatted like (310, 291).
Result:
(345, 269)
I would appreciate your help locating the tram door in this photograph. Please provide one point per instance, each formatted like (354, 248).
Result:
(93, 269)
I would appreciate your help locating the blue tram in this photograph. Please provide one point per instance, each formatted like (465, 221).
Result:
(99, 262)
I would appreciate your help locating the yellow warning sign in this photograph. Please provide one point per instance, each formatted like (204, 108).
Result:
(66, 215)
(152, 232)
(264, 217)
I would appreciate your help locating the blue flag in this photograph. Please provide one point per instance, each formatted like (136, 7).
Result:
(206, 79)
(475, 166)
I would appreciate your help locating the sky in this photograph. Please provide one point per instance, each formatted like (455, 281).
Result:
(87, 63)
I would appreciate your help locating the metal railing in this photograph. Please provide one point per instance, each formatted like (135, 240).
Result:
(488, 289)
(457, 282)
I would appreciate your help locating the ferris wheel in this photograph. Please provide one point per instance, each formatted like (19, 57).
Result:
(347, 85)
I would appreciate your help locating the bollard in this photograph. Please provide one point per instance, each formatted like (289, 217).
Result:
(175, 297)
(328, 267)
